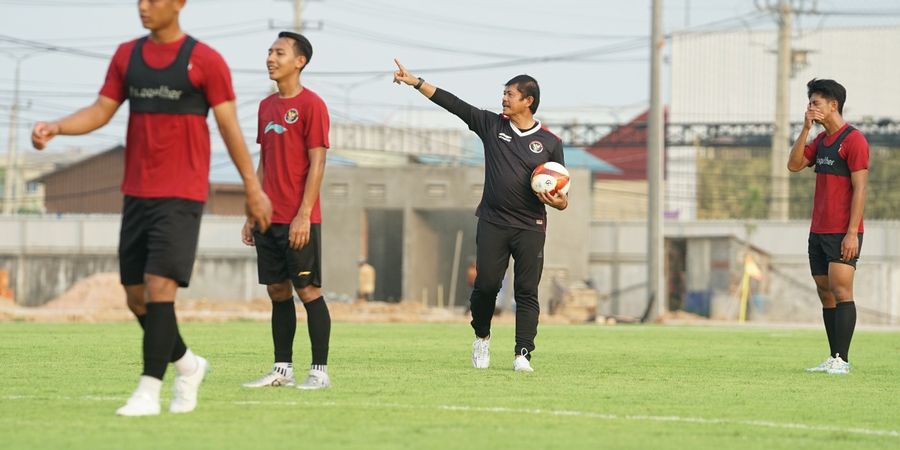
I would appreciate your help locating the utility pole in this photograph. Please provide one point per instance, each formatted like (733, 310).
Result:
(298, 16)
(12, 160)
(781, 188)
(655, 158)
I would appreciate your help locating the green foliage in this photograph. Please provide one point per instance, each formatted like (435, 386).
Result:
(733, 183)
(412, 386)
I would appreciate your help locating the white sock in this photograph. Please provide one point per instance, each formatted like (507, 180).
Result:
(322, 367)
(286, 369)
(150, 386)
(187, 364)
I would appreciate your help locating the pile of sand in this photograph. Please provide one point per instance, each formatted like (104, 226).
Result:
(100, 298)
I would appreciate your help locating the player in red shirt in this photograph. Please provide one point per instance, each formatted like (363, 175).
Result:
(840, 155)
(170, 81)
(293, 136)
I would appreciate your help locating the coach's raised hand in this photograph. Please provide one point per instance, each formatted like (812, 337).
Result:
(403, 75)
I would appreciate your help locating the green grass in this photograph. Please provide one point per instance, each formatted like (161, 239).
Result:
(412, 386)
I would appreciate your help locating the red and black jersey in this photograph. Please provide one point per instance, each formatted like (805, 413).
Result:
(171, 86)
(510, 155)
(835, 157)
(287, 129)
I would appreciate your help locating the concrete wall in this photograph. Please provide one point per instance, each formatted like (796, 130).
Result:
(618, 268)
(46, 255)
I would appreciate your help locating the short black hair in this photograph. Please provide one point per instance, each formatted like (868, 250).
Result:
(528, 86)
(301, 44)
(830, 89)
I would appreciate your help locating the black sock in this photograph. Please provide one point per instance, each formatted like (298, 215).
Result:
(844, 324)
(284, 325)
(160, 329)
(180, 347)
(828, 318)
(319, 323)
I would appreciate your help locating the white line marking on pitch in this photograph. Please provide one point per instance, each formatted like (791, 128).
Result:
(594, 415)
(539, 412)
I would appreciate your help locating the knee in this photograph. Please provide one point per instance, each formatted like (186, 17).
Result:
(309, 293)
(280, 291)
(841, 293)
(485, 284)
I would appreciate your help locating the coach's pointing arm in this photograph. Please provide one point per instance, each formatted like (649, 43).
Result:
(472, 116)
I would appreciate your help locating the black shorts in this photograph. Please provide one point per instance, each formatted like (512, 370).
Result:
(825, 249)
(159, 237)
(277, 261)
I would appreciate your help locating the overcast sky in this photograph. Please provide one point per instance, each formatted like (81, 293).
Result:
(590, 56)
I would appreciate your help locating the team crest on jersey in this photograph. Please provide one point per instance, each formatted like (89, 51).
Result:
(535, 146)
(291, 116)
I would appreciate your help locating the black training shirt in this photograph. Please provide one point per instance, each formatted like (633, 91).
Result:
(510, 155)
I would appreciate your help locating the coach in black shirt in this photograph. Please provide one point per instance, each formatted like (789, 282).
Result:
(511, 218)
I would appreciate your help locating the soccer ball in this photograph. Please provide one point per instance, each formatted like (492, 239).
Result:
(550, 177)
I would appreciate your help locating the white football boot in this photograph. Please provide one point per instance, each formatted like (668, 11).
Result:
(822, 367)
(481, 353)
(521, 363)
(145, 399)
(184, 389)
(317, 379)
(838, 366)
(273, 379)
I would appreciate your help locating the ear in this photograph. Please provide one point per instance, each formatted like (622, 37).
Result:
(300, 61)
(529, 100)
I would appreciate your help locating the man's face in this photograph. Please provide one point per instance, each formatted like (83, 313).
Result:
(514, 102)
(283, 61)
(158, 14)
(825, 106)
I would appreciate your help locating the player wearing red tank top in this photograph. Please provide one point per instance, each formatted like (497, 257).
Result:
(293, 138)
(840, 155)
(170, 81)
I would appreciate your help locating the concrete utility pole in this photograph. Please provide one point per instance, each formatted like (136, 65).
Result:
(655, 177)
(781, 188)
(9, 196)
(298, 16)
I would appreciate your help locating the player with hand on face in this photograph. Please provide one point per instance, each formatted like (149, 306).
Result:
(293, 136)
(840, 155)
(512, 220)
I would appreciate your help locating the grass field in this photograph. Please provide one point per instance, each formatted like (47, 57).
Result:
(412, 386)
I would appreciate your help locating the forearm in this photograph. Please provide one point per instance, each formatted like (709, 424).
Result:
(452, 104)
(857, 205)
(312, 188)
(240, 156)
(797, 160)
(87, 119)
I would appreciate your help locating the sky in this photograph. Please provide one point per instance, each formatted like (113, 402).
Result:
(591, 57)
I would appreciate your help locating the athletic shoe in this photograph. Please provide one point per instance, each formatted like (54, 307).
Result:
(316, 380)
(184, 389)
(838, 367)
(822, 367)
(481, 353)
(273, 379)
(522, 364)
(140, 404)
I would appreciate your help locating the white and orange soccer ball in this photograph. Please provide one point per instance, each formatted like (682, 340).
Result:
(550, 177)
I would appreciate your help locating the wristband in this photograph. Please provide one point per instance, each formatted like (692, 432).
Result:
(419, 84)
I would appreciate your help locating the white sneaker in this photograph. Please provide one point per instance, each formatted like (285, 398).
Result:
(317, 379)
(822, 367)
(184, 389)
(522, 364)
(273, 379)
(481, 353)
(838, 366)
(140, 404)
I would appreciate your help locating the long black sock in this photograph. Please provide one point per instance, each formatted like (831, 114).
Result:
(844, 324)
(319, 323)
(180, 347)
(160, 329)
(284, 325)
(828, 318)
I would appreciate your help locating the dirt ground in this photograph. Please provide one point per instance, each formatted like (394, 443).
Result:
(100, 298)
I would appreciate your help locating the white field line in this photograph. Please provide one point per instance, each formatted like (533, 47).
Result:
(529, 411)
